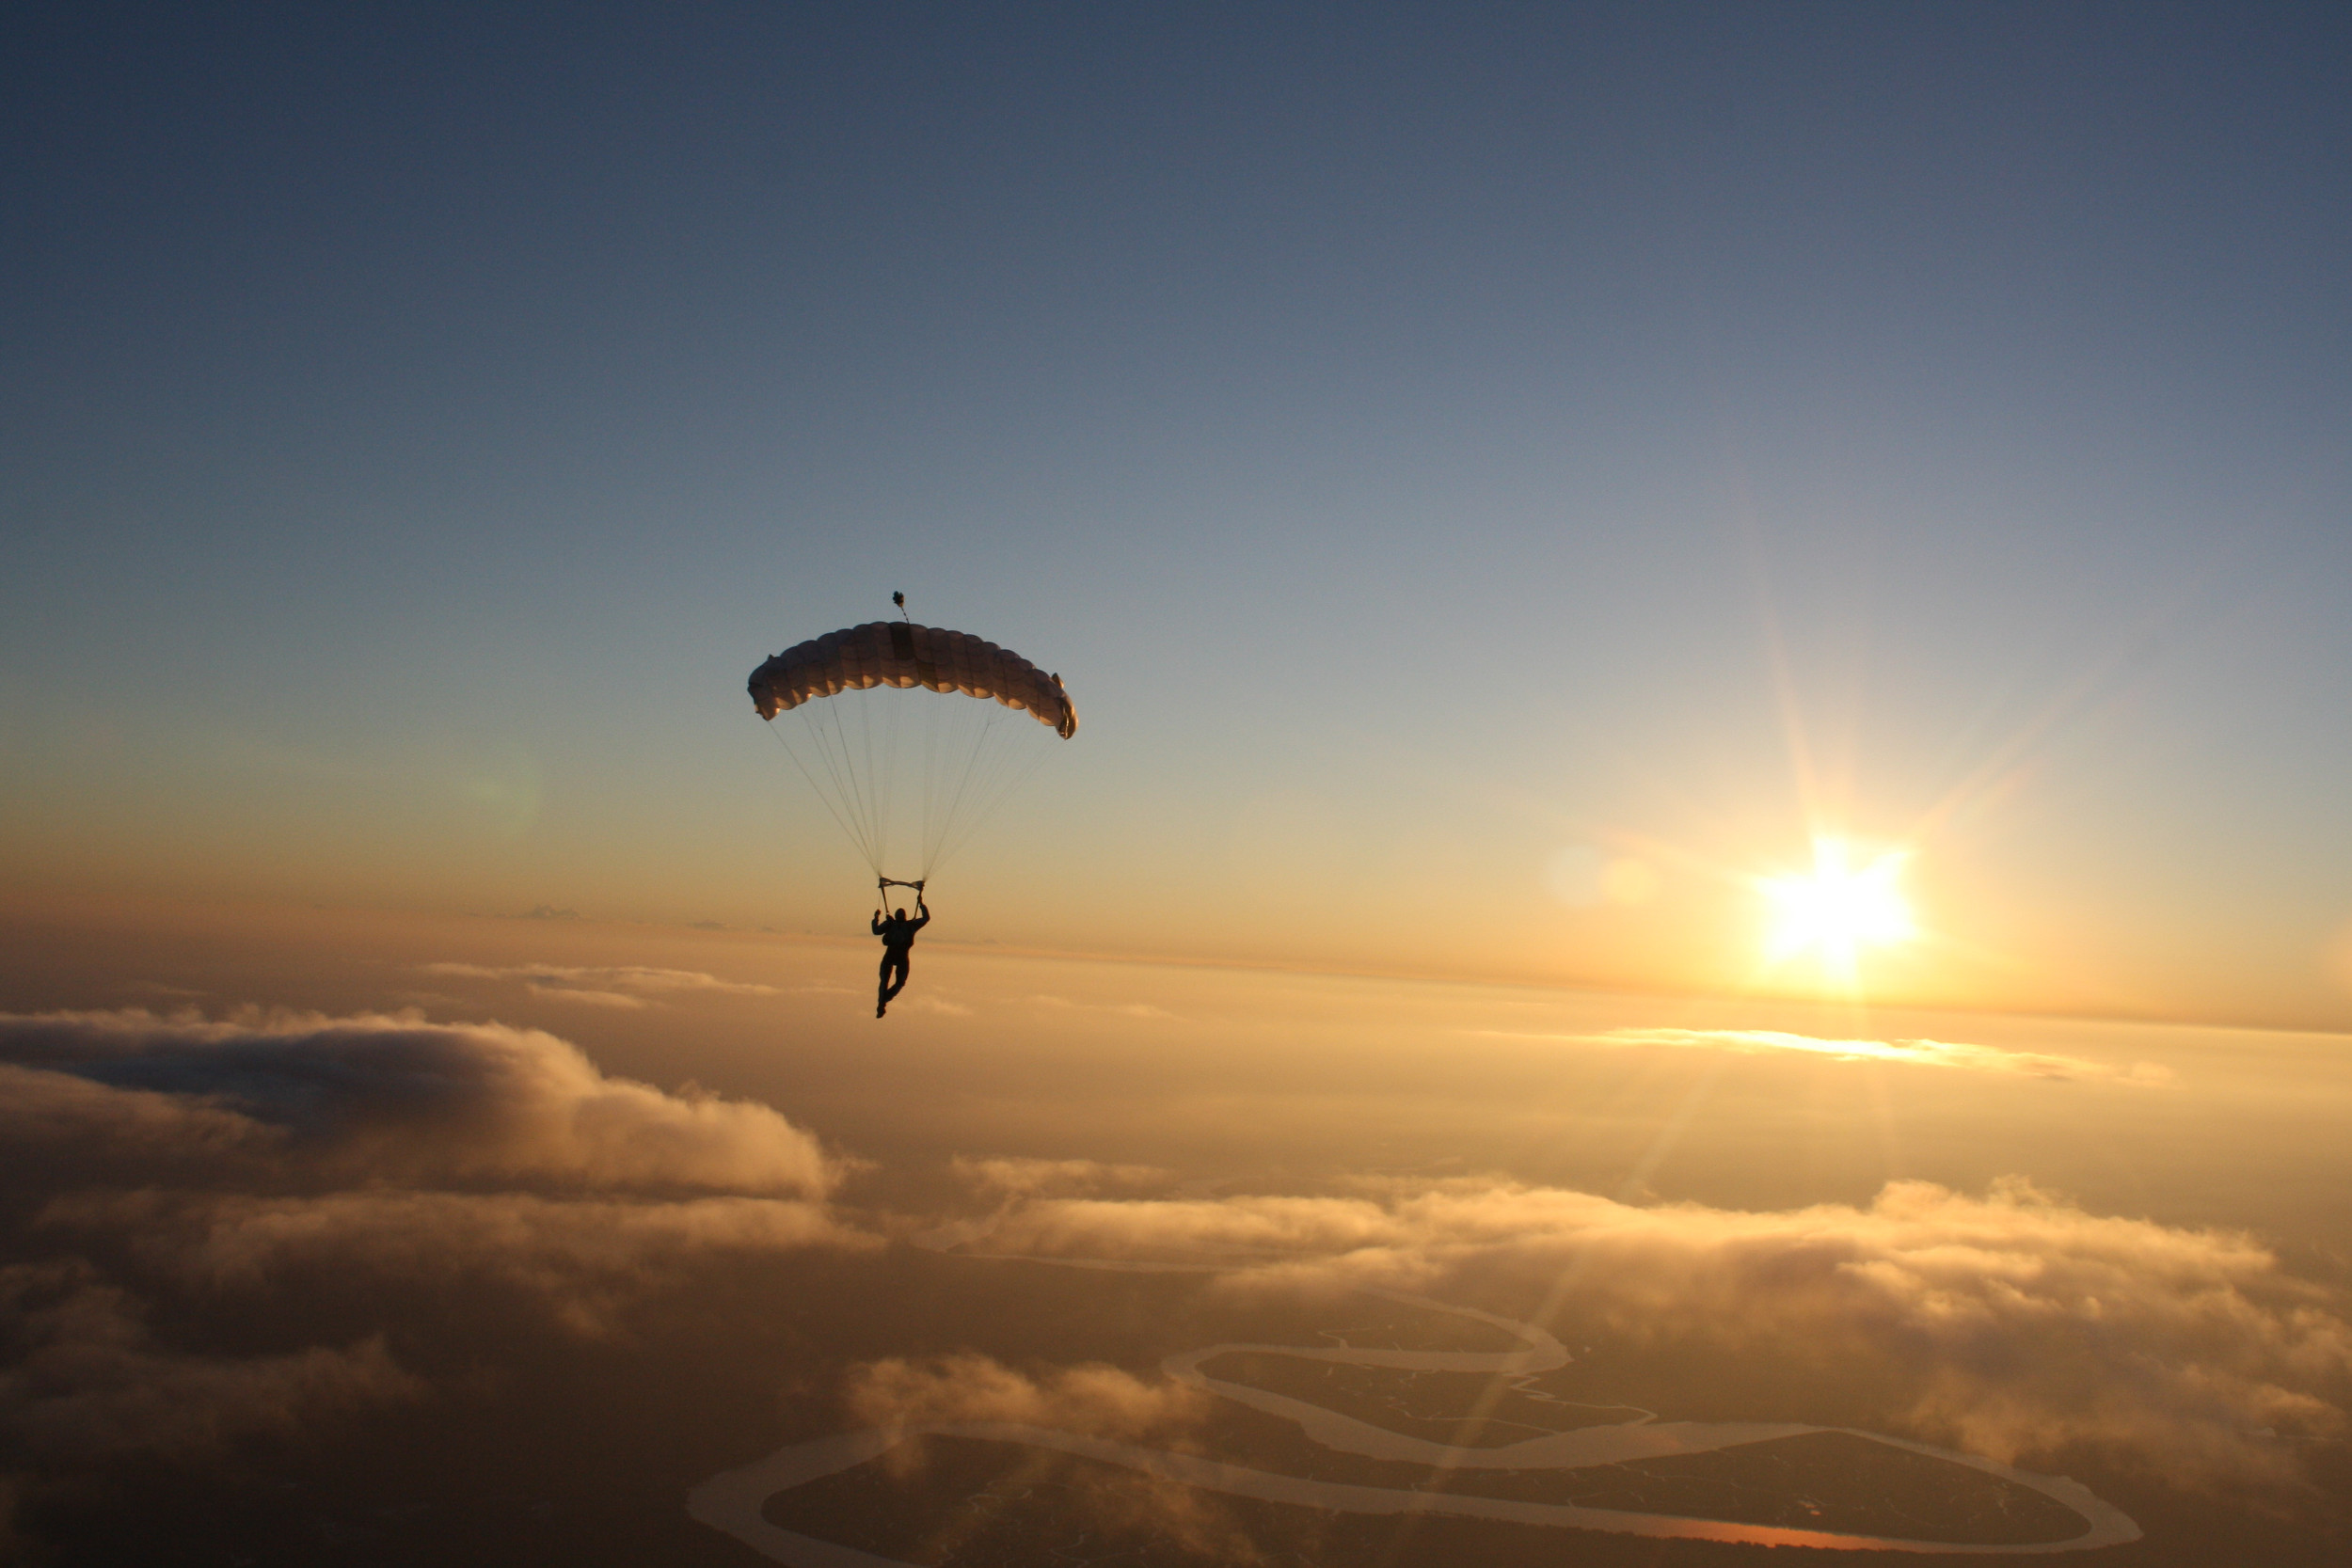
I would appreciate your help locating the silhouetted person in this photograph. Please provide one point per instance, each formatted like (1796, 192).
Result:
(897, 935)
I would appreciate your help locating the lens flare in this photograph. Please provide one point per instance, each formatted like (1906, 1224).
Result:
(1838, 909)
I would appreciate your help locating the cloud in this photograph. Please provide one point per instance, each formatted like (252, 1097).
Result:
(395, 1098)
(583, 1261)
(1124, 1009)
(1094, 1399)
(51, 1123)
(2009, 1325)
(185, 1172)
(1025, 1177)
(923, 1001)
(602, 985)
(590, 998)
(88, 1379)
(1923, 1052)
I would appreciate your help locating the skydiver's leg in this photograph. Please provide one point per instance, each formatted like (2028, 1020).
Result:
(895, 962)
(882, 991)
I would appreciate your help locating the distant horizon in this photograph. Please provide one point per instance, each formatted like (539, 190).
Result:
(1794, 998)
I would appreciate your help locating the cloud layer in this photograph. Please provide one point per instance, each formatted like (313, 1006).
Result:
(1919, 1053)
(164, 1173)
(390, 1098)
(1027, 1178)
(88, 1379)
(630, 986)
(2011, 1324)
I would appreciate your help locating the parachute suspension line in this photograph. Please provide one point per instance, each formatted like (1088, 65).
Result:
(961, 733)
(930, 771)
(969, 732)
(960, 798)
(944, 779)
(1011, 773)
(856, 798)
(822, 794)
(813, 728)
(877, 785)
(833, 746)
(980, 752)
(894, 716)
(876, 779)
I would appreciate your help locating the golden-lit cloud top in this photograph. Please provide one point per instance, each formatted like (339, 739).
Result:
(395, 1098)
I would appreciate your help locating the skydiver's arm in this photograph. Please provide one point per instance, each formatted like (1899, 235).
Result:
(877, 923)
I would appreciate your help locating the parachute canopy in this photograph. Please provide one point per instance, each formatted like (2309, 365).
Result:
(894, 653)
(880, 749)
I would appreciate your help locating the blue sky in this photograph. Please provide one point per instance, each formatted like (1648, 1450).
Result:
(1429, 438)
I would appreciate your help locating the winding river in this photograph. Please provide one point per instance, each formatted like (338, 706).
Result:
(732, 1501)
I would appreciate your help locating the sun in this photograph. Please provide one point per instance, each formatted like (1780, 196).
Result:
(1838, 910)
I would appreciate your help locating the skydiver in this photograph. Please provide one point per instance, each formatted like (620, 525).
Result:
(897, 935)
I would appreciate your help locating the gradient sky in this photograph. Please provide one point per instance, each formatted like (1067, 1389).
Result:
(1449, 451)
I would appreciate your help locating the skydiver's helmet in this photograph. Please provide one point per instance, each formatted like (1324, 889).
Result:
(899, 914)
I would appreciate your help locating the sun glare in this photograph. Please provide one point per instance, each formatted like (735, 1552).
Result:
(1838, 909)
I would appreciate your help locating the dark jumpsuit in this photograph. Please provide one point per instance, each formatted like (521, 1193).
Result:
(897, 935)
